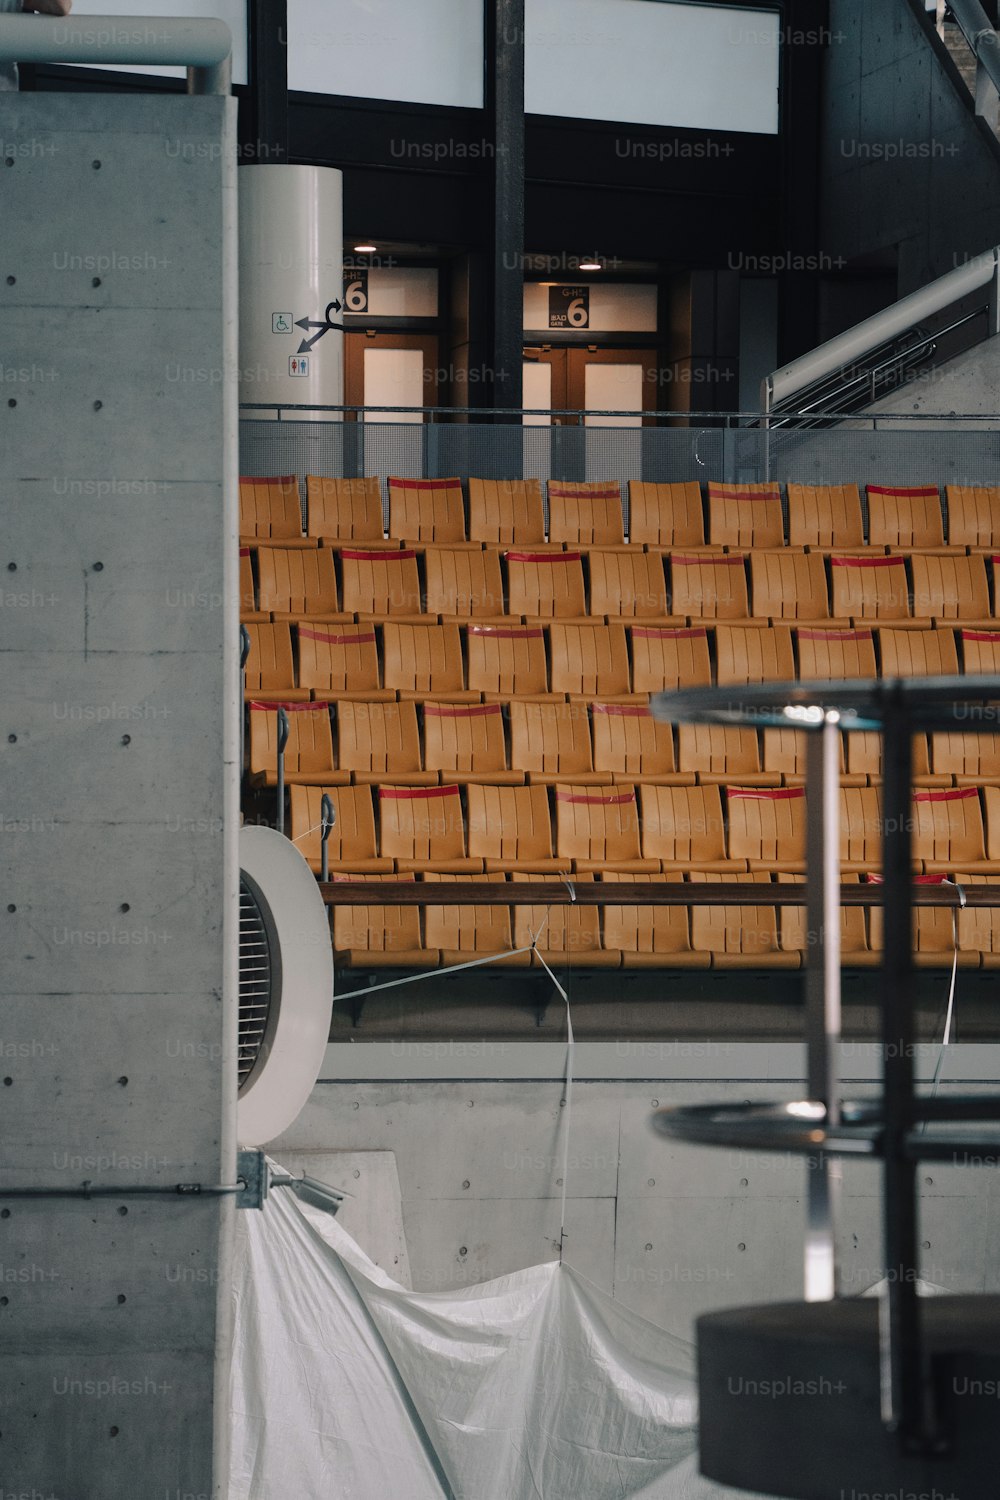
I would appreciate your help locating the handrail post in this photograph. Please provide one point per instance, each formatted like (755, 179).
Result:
(244, 654)
(282, 742)
(328, 818)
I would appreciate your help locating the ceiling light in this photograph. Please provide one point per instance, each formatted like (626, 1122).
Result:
(365, 249)
(591, 265)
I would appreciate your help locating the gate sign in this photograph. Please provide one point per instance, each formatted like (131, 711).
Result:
(355, 289)
(569, 306)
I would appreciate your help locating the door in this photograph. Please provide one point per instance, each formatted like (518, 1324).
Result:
(390, 369)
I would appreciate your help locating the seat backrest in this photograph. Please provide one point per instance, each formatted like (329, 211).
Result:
(270, 665)
(975, 755)
(950, 587)
(422, 658)
(718, 750)
(509, 822)
(665, 515)
(337, 659)
(506, 512)
(709, 584)
(550, 738)
(645, 929)
(547, 585)
(309, 749)
(745, 515)
(297, 580)
(349, 510)
(464, 737)
(380, 583)
(948, 826)
(753, 653)
(570, 929)
(746, 930)
(905, 517)
(248, 601)
(978, 926)
(421, 822)
(426, 510)
(861, 825)
(378, 737)
(824, 515)
(981, 652)
(767, 823)
(825, 654)
(270, 507)
(468, 929)
(682, 823)
(864, 754)
(795, 928)
(352, 838)
(973, 515)
(376, 929)
(627, 583)
(933, 926)
(870, 588)
(628, 741)
(666, 657)
(588, 659)
(789, 585)
(785, 753)
(585, 514)
(506, 660)
(463, 582)
(597, 823)
(917, 653)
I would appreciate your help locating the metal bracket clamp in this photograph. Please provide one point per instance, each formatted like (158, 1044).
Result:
(252, 1172)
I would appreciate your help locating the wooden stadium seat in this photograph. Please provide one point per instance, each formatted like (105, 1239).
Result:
(463, 582)
(651, 937)
(973, 516)
(376, 937)
(567, 936)
(666, 657)
(545, 585)
(861, 829)
(464, 933)
(917, 653)
(510, 828)
(425, 660)
(351, 845)
(466, 742)
(270, 667)
(248, 597)
(794, 929)
(869, 588)
(949, 832)
(719, 753)
(507, 661)
(270, 512)
(979, 926)
(683, 827)
(665, 516)
(379, 742)
(631, 746)
(909, 517)
(506, 512)
(971, 759)
(935, 932)
(767, 827)
(864, 758)
(994, 572)
(825, 517)
(826, 654)
(739, 937)
(980, 652)
(788, 585)
(586, 514)
(784, 759)
(309, 752)
(423, 828)
(293, 582)
(709, 585)
(598, 828)
(346, 511)
(340, 663)
(753, 653)
(550, 742)
(589, 660)
(381, 583)
(950, 586)
(627, 583)
(745, 515)
(427, 510)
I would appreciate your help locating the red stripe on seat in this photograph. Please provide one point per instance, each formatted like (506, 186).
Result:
(285, 479)
(364, 637)
(385, 554)
(777, 794)
(602, 801)
(953, 796)
(543, 557)
(981, 635)
(568, 492)
(835, 635)
(623, 710)
(469, 711)
(506, 632)
(750, 495)
(874, 879)
(293, 708)
(666, 632)
(712, 557)
(411, 792)
(245, 552)
(920, 489)
(868, 562)
(426, 484)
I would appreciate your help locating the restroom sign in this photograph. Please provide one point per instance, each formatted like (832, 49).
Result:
(298, 364)
(569, 306)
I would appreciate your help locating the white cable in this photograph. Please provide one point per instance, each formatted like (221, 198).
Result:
(950, 1011)
(567, 1124)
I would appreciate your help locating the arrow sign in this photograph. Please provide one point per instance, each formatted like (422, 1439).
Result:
(324, 327)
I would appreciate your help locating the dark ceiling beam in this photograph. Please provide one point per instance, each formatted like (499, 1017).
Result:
(505, 110)
(265, 137)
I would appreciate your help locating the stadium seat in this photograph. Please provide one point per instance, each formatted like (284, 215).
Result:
(709, 585)
(292, 583)
(425, 660)
(864, 758)
(936, 932)
(861, 830)
(270, 669)
(683, 827)
(719, 753)
(909, 517)
(826, 654)
(341, 663)
(950, 586)
(825, 517)
(589, 660)
(427, 510)
(971, 759)
(745, 515)
(309, 752)
(948, 831)
(586, 514)
(510, 828)
(465, 742)
(980, 652)
(545, 585)
(794, 929)
(248, 601)
(550, 742)
(651, 937)
(869, 588)
(566, 936)
(665, 516)
(784, 759)
(598, 829)
(381, 583)
(633, 747)
(753, 653)
(463, 582)
(464, 933)
(270, 512)
(767, 827)
(979, 926)
(351, 845)
(375, 937)
(506, 512)
(973, 516)
(917, 653)
(668, 657)
(993, 567)
(423, 828)
(507, 661)
(347, 512)
(740, 937)
(628, 583)
(788, 585)
(379, 742)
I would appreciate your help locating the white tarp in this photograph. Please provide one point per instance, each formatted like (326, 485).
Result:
(535, 1386)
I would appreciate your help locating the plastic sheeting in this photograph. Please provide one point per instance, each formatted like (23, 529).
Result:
(535, 1386)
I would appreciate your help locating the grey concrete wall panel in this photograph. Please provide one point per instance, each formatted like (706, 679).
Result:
(118, 519)
(373, 1214)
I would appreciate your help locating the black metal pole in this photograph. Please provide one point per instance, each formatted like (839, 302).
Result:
(505, 97)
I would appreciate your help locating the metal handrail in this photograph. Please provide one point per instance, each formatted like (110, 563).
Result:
(980, 34)
(351, 892)
(515, 413)
(204, 47)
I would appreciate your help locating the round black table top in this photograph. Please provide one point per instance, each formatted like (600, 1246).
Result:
(967, 704)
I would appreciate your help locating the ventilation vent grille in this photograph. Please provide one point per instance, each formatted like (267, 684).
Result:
(255, 983)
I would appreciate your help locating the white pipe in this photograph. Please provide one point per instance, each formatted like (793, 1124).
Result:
(181, 41)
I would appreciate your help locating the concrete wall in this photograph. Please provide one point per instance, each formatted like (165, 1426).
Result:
(117, 517)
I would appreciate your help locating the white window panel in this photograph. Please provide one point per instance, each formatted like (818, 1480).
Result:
(612, 388)
(393, 377)
(233, 12)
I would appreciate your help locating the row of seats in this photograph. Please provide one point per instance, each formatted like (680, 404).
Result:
(604, 583)
(511, 513)
(696, 937)
(586, 659)
(549, 741)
